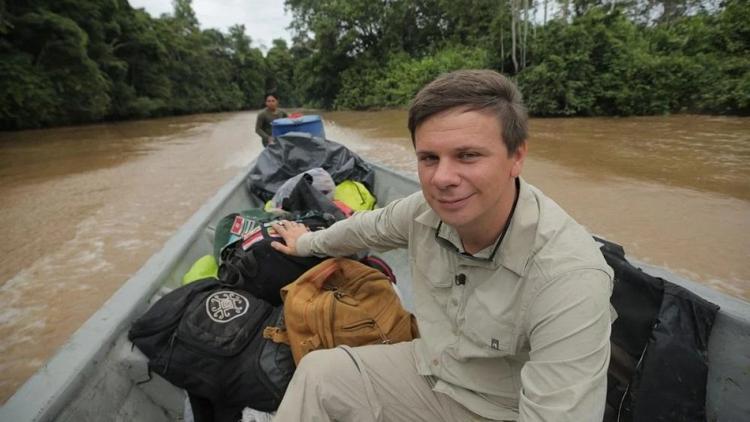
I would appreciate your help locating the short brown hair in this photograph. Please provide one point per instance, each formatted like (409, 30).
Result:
(474, 90)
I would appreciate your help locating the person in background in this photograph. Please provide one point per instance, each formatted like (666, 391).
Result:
(265, 117)
(511, 295)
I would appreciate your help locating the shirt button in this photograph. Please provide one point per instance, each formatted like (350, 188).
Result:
(454, 302)
(460, 279)
(435, 362)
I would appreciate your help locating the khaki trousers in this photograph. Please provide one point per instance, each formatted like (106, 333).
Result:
(363, 384)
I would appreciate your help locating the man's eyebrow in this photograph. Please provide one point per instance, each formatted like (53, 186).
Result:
(454, 150)
(470, 148)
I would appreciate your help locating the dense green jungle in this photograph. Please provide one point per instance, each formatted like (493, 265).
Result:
(68, 62)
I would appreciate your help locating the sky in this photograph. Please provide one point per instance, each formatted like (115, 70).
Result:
(264, 20)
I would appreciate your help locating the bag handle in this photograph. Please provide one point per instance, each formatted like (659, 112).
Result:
(323, 272)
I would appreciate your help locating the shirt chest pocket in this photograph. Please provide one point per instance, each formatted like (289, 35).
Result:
(432, 273)
(483, 335)
(431, 288)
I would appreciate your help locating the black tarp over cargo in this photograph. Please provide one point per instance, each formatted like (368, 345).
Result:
(297, 152)
(659, 364)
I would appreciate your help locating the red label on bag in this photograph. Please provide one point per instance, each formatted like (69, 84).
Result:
(237, 225)
(251, 238)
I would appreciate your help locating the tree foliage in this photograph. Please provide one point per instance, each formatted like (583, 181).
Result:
(76, 61)
(595, 57)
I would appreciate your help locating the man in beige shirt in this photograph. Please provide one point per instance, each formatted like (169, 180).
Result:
(511, 295)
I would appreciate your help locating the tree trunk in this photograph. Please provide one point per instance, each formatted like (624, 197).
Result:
(525, 32)
(502, 49)
(513, 23)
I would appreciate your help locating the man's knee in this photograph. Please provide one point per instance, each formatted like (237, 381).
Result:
(327, 385)
(325, 365)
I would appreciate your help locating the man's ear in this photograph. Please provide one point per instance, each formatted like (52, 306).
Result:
(518, 158)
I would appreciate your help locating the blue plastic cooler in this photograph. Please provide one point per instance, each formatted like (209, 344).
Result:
(311, 124)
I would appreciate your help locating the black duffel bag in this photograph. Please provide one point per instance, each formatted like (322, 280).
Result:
(208, 339)
(659, 364)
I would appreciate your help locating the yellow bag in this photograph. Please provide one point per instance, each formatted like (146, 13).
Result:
(204, 267)
(355, 195)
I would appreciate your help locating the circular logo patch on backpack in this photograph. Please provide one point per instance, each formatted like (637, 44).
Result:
(224, 306)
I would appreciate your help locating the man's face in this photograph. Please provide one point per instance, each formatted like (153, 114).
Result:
(466, 174)
(272, 103)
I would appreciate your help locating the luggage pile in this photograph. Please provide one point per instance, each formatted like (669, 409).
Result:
(659, 363)
(232, 338)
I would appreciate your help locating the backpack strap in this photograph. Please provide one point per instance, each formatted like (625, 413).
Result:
(276, 334)
(380, 265)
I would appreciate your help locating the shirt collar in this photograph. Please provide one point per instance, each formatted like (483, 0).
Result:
(516, 247)
(518, 244)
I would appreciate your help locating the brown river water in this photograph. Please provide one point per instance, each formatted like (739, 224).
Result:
(84, 207)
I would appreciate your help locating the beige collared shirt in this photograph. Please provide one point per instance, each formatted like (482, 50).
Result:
(523, 336)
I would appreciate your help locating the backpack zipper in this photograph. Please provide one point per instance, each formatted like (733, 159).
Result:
(337, 296)
(172, 339)
(334, 300)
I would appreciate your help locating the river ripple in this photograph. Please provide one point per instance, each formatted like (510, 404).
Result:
(84, 207)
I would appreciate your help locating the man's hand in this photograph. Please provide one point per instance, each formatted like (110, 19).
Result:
(290, 231)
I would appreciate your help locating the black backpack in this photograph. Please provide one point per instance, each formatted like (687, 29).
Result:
(208, 339)
(251, 264)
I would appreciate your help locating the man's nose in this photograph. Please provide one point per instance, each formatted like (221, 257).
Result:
(446, 175)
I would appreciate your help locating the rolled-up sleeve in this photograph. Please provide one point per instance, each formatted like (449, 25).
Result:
(380, 230)
(569, 324)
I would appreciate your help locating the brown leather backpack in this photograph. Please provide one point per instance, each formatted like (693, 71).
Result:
(341, 302)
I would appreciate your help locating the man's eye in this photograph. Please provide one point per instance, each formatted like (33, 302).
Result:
(468, 155)
(428, 159)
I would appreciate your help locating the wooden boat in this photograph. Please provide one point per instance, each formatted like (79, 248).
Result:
(97, 375)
